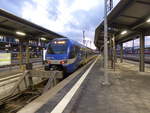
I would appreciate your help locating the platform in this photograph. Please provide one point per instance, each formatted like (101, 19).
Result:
(128, 93)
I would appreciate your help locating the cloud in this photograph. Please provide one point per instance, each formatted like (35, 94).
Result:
(11, 6)
(64, 16)
(68, 17)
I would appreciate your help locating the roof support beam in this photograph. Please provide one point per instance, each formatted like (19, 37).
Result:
(127, 38)
(119, 26)
(24, 24)
(139, 23)
(133, 17)
(120, 14)
(127, 4)
(3, 21)
(142, 2)
(7, 28)
(147, 32)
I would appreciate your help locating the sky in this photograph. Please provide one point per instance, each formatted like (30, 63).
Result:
(66, 17)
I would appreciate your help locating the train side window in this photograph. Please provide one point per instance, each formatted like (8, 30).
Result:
(77, 49)
(72, 52)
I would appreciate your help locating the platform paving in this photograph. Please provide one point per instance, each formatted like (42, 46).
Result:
(129, 92)
(132, 65)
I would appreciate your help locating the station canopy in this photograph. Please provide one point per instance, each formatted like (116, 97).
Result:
(13, 26)
(126, 21)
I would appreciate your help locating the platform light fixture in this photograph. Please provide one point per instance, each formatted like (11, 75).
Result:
(20, 33)
(148, 20)
(42, 38)
(1, 37)
(124, 32)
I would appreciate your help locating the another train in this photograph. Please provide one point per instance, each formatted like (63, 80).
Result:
(66, 55)
(131, 50)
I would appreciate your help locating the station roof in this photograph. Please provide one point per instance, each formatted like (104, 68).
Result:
(131, 16)
(10, 24)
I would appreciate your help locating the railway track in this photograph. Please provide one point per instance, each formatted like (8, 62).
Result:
(16, 62)
(10, 77)
(11, 104)
(8, 81)
(5, 78)
(18, 101)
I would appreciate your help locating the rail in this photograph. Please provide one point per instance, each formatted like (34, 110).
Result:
(27, 81)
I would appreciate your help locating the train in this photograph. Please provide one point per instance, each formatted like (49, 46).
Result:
(137, 51)
(66, 55)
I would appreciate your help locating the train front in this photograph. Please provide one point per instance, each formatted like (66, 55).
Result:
(56, 55)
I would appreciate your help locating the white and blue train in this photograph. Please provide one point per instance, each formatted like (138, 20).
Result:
(66, 55)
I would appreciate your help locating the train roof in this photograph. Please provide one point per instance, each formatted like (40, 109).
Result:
(73, 42)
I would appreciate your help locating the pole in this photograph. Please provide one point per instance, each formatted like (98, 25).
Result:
(106, 81)
(133, 47)
(27, 53)
(142, 46)
(111, 52)
(121, 52)
(21, 54)
(83, 37)
(114, 53)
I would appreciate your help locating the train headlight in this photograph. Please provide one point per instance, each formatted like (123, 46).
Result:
(48, 61)
(63, 62)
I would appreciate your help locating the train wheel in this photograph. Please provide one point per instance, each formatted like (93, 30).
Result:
(46, 68)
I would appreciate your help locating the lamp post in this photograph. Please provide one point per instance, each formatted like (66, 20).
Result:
(83, 37)
(106, 81)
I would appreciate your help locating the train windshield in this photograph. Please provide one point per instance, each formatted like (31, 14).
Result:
(57, 47)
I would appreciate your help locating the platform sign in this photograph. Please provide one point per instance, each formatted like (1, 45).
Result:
(5, 59)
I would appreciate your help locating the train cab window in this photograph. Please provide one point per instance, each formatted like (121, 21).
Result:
(57, 48)
(72, 53)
